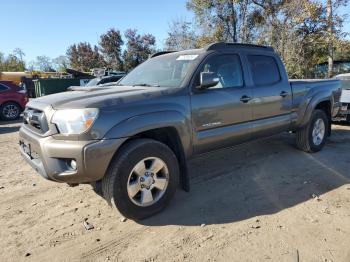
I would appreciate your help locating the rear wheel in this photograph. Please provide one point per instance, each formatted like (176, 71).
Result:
(9, 111)
(312, 137)
(142, 179)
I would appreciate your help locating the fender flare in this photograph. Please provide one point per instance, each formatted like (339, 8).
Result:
(162, 119)
(311, 105)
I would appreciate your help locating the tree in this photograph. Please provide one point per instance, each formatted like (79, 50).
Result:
(138, 48)
(73, 56)
(224, 20)
(334, 26)
(18, 52)
(299, 30)
(181, 36)
(309, 35)
(272, 12)
(11, 62)
(31, 66)
(111, 47)
(44, 63)
(330, 36)
(83, 57)
(60, 63)
(2, 61)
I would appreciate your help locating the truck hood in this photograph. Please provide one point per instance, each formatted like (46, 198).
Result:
(98, 97)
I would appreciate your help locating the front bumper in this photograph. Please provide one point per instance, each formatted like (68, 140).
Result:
(50, 156)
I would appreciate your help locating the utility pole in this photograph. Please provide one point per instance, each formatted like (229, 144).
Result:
(330, 37)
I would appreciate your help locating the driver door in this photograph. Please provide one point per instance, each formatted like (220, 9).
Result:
(222, 114)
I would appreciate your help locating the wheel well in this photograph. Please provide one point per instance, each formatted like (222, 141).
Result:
(170, 137)
(10, 101)
(325, 106)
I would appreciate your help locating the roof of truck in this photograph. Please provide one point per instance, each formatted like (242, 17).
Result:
(226, 45)
(218, 46)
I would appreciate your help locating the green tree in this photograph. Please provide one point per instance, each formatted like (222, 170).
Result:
(299, 30)
(181, 36)
(60, 63)
(18, 52)
(309, 41)
(2, 61)
(138, 48)
(44, 63)
(224, 20)
(83, 57)
(13, 62)
(111, 47)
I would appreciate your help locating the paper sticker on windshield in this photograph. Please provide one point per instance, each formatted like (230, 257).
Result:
(187, 57)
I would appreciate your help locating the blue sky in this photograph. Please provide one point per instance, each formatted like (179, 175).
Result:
(49, 27)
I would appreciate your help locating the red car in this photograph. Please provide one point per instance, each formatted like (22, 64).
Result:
(12, 100)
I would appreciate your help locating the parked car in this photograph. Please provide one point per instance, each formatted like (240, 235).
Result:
(12, 100)
(133, 140)
(105, 79)
(344, 113)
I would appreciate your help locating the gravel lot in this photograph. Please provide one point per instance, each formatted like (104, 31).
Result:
(263, 201)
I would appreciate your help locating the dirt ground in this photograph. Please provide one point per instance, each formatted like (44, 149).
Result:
(256, 202)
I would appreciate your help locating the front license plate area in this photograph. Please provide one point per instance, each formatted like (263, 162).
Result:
(26, 148)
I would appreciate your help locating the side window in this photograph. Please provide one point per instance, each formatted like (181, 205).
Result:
(3, 88)
(264, 70)
(228, 69)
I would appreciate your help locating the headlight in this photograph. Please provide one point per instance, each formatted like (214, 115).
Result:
(74, 121)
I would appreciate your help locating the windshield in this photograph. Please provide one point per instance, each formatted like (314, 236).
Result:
(93, 82)
(166, 70)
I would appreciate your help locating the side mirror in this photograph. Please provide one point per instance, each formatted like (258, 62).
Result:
(208, 79)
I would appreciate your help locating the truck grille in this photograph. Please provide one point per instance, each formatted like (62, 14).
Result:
(35, 119)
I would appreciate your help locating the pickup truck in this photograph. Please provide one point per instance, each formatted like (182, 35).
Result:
(132, 140)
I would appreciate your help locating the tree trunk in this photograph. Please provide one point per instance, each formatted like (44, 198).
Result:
(330, 38)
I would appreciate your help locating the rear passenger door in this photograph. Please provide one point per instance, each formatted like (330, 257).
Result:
(271, 93)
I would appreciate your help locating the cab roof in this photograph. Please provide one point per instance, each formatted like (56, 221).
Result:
(219, 46)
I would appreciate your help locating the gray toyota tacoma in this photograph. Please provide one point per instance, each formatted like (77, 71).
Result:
(132, 140)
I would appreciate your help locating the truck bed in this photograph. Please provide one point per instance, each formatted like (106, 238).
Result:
(311, 81)
(307, 85)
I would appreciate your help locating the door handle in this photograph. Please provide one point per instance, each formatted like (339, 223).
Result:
(283, 94)
(245, 99)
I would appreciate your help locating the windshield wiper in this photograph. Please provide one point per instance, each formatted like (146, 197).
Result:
(147, 85)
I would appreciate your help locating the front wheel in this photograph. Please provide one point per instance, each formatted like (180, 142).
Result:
(142, 179)
(312, 137)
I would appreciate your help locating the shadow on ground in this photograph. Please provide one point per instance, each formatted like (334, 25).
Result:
(10, 126)
(259, 178)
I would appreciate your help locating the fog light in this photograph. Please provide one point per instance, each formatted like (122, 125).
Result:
(73, 164)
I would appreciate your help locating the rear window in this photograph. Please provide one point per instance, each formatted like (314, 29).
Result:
(264, 70)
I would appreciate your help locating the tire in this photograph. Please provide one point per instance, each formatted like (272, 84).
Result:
(10, 111)
(121, 177)
(97, 187)
(304, 136)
